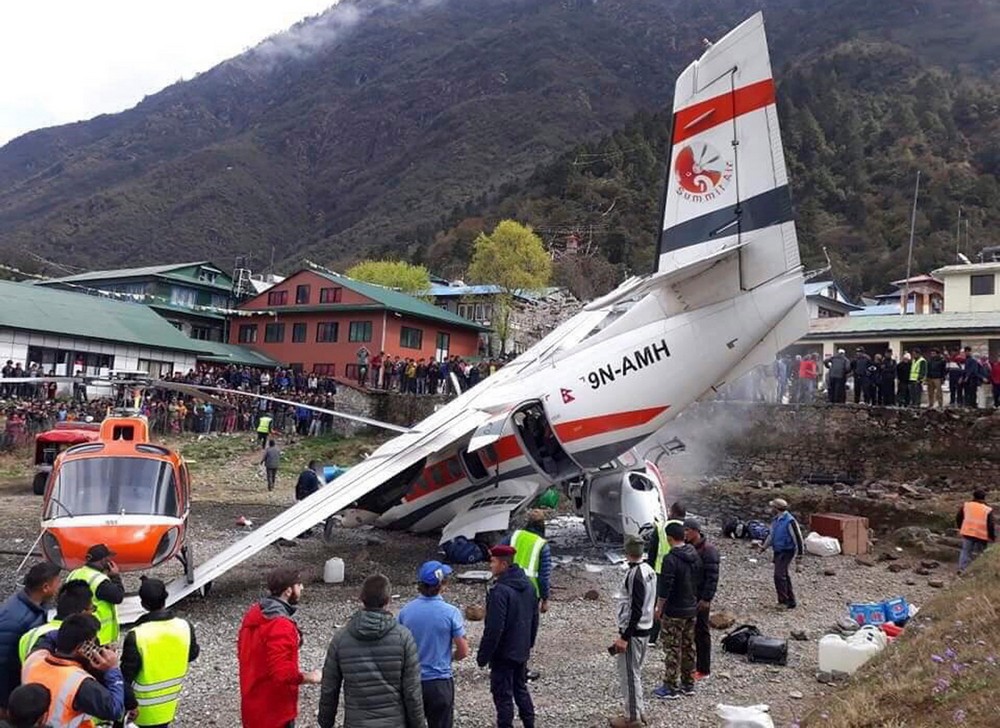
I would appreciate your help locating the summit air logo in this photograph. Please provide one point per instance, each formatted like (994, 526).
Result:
(702, 172)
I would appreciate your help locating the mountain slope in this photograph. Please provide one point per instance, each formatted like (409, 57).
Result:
(377, 123)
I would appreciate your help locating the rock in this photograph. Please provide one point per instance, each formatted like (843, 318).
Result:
(889, 556)
(829, 572)
(845, 624)
(929, 564)
(824, 677)
(921, 571)
(796, 695)
(592, 595)
(936, 583)
(721, 620)
(911, 582)
(875, 493)
(800, 635)
(864, 560)
(912, 535)
(475, 613)
(373, 540)
(896, 568)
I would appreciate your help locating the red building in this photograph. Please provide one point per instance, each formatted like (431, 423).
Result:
(318, 321)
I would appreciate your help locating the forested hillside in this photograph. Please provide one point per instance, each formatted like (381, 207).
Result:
(404, 126)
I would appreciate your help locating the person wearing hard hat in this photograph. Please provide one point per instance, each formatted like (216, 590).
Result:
(155, 659)
(106, 588)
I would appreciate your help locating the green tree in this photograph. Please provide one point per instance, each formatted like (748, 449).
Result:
(398, 274)
(514, 259)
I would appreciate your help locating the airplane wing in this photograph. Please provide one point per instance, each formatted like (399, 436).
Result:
(395, 458)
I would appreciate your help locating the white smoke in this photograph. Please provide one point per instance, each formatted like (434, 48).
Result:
(318, 32)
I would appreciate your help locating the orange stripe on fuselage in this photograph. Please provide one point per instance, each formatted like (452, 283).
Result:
(507, 447)
(720, 109)
(590, 426)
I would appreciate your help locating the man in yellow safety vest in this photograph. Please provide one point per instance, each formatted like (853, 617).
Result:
(74, 598)
(976, 526)
(106, 588)
(658, 547)
(155, 659)
(533, 555)
(264, 423)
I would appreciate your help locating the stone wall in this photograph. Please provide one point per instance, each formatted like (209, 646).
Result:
(392, 407)
(955, 447)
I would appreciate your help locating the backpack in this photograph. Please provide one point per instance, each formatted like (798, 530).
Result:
(757, 530)
(732, 528)
(767, 650)
(738, 641)
(461, 550)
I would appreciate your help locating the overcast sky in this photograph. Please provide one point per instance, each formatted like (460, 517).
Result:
(66, 60)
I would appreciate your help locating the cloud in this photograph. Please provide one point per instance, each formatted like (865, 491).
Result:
(66, 60)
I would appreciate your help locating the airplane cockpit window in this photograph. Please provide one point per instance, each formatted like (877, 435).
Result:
(640, 482)
(113, 486)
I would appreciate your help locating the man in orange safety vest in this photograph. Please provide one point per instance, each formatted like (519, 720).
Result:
(975, 524)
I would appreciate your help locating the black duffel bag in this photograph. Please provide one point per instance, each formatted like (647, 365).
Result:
(768, 650)
(738, 640)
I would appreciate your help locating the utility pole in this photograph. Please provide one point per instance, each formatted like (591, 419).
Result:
(958, 235)
(909, 257)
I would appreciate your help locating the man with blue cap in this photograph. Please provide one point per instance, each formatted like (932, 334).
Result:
(437, 626)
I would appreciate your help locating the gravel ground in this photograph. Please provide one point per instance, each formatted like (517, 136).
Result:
(578, 685)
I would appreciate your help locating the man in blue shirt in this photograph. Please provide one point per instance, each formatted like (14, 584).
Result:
(436, 626)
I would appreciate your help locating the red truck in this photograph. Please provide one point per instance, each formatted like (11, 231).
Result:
(50, 443)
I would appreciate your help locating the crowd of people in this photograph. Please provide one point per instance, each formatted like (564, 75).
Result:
(915, 379)
(385, 670)
(419, 376)
(31, 408)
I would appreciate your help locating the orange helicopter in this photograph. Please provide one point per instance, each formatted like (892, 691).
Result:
(121, 490)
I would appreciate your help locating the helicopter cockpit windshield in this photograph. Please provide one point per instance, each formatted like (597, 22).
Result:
(113, 486)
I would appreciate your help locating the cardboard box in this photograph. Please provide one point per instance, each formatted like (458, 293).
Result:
(851, 531)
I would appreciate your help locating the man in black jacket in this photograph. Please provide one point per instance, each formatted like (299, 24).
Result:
(676, 606)
(508, 636)
(709, 582)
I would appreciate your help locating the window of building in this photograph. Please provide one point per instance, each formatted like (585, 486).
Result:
(360, 331)
(206, 275)
(466, 310)
(325, 370)
(351, 372)
(274, 333)
(296, 367)
(441, 346)
(410, 338)
(327, 332)
(982, 285)
(248, 334)
(277, 298)
(302, 295)
(202, 333)
(157, 369)
(298, 333)
(330, 295)
(184, 297)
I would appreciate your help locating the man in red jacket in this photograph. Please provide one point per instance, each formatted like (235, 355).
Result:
(268, 651)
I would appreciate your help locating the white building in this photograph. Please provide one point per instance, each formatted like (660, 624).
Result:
(970, 288)
(67, 332)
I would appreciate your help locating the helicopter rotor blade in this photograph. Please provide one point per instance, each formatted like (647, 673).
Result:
(197, 390)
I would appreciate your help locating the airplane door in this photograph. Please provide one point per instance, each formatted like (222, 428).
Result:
(640, 502)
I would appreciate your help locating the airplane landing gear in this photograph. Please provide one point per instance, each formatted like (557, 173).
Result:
(187, 562)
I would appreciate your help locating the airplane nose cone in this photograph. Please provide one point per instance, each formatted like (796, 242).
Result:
(134, 545)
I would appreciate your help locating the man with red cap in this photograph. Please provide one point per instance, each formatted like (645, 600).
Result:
(508, 637)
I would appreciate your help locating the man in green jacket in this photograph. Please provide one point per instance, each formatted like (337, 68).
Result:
(375, 659)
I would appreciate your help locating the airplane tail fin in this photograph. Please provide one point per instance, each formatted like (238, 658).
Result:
(727, 185)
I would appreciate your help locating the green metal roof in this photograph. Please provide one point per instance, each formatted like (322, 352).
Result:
(150, 271)
(215, 351)
(931, 323)
(64, 313)
(401, 302)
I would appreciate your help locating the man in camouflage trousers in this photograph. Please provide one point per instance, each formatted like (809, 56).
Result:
(676, 607)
